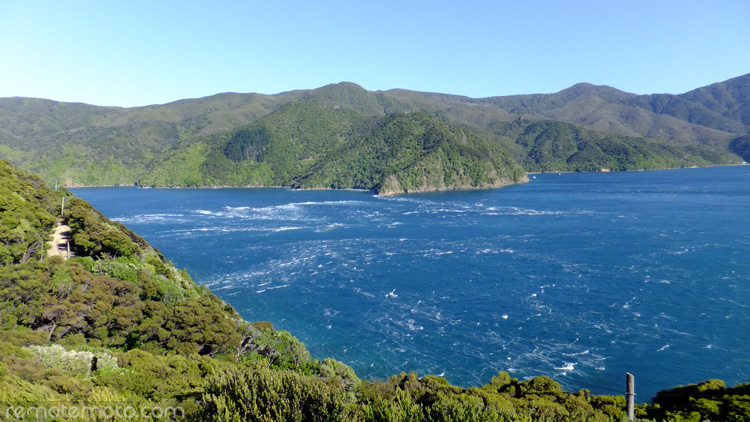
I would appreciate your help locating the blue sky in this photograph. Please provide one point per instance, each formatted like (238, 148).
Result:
(133, 53)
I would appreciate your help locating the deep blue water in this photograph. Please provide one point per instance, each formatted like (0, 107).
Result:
(580, 277)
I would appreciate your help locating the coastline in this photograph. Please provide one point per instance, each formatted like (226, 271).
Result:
(530, 173)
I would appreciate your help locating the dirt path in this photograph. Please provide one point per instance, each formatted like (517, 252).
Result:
(59, 244)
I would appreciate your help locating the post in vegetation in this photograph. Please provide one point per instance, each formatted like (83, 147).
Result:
(62, 209)
(630, 395)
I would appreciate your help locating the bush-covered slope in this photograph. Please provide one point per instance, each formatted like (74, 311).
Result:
(118, 300)
(550, 145)
(414, 153)
(78, 144)
(28, 211)
(316, 145)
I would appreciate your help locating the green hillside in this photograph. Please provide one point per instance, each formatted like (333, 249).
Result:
(77, 144)
(415, 153)
(549, 145)
(117, 322)
(314, 145)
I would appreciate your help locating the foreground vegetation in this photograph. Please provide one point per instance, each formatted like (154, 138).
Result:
(118, 324)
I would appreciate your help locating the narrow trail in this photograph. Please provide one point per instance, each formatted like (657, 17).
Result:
(59, 243)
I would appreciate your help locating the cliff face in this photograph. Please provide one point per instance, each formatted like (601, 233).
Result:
(391, 186)
(434, 175)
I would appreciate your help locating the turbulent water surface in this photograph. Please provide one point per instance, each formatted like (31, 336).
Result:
(580, 277)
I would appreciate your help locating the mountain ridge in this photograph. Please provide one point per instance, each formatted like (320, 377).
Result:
(82, 144)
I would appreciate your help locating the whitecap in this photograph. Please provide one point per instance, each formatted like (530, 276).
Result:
(330, 227)
(567, 366)
(330, 313)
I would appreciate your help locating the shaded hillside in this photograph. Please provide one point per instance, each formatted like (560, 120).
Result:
(78, 144)
(741, 147)
(550, 145)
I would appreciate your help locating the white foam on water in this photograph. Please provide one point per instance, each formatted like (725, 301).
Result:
(285, 228)
(567, 366)
(330, 313)
(342, 202)
(153, 218)
(330, 227)
(435, 253)
(585, 352)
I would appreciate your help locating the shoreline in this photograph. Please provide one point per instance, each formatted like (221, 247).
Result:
(642, 170)
(77, 186)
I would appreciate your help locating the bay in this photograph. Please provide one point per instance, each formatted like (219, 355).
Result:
(579, 277)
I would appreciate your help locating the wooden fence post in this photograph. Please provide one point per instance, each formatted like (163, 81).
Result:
(630, 395)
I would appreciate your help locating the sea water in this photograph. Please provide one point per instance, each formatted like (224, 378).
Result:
(579, 277)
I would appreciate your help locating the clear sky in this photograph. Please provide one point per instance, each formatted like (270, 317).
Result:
(133, 53)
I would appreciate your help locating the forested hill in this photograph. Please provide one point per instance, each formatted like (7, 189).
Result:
(189, 142)
(317, 145)
(118, 326)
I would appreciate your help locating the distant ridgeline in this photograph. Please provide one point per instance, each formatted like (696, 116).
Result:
(118, 324)
(342, 136)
